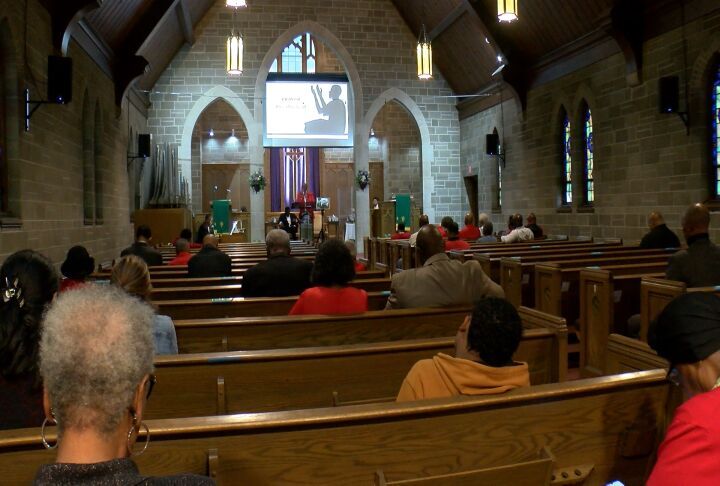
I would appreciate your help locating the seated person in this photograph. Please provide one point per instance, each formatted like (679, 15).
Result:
(400, 234)
(517, 232)
(142, 247)
(204, 229)
(332, 272)
(352, 248)
(76, 268)
(289, 223)
(487, 233)
(687, 334)
(533, 226)
(210, 261)
(699, 265)
(444, 224)
(375, 203)
(186, 234)
(280, 275)
(28, 284)
(482, 365)
(96, 362)
(659, 236)
(182, 252)
(421, 222)
(470, 231)
(131, 274)
(454, 242)
(440, 281)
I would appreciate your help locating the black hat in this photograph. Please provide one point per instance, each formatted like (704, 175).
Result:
(78, 264)
(688, 329)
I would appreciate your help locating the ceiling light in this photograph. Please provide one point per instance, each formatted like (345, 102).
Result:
(234, 54)
(236, 3)
(232, 133)
(211, 132)
(507, 10)
(424, 56)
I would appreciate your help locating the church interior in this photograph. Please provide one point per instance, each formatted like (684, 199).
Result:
(591, 115)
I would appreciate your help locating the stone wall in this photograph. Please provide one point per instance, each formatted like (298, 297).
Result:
(46, 164)
(644, 160)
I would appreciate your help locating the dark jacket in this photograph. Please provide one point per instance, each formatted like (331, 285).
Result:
(202, 231)
(698, 266)
(660, 237)
(151, 256)
(279, 276)
(537, 230)
(209, 262)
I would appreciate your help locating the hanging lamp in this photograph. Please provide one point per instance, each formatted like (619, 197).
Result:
(507, 10)
(424, 56)
(234, 50)
(236, 3)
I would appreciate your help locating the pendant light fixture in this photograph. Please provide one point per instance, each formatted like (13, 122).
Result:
(234, 49)
(507, 10)
(424, 56)
(236, 3)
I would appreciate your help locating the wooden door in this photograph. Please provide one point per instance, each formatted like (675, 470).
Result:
(471, 187)
(226, 176)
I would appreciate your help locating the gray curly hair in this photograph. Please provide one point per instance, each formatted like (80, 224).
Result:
(95, 349)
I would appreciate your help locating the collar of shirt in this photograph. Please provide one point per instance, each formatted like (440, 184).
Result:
(438, 257)
(698, 237)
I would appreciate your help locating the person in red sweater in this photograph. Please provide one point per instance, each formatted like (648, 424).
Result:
(183, 256)
(332, 272)
(187, 235)
(470, 231)
(687, 334)
(444, 225)
(454, 242)
(401, 234)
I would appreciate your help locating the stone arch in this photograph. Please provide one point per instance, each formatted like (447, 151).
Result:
(427, 154)
(12, 122)
(217, 92)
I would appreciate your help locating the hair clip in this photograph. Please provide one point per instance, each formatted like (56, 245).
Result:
(13, 292)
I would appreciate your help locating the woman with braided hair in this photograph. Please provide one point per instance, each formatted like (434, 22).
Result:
(28, 283)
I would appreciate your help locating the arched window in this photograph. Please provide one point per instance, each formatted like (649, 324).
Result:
(297, 57)
(566, 159)
(588, 146)
(715, 129)
(97, 149)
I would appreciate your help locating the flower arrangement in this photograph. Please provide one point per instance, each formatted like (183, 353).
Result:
(363, 179)
(257, 181)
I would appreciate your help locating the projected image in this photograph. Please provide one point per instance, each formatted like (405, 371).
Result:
(310, 113)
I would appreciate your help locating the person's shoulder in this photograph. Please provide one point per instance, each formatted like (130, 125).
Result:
(163, 319)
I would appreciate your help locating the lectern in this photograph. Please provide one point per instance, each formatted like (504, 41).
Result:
(221, 211)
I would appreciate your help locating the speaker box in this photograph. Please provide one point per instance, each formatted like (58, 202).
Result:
(492, 141)
(59, 83)
(669, 90)
(143, 145)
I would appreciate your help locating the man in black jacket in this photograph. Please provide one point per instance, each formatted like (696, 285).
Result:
(660, 236)
(699, 265)
(289, 223)
(281, 275)
(142, 247)
(210, 261)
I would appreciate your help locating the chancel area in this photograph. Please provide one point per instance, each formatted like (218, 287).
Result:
(359, 242)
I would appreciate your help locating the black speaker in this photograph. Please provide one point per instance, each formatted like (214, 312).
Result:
(669, 89)
(143, 145)
(59, 83)
(492, 142)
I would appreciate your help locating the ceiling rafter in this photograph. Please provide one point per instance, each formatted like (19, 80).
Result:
(186, 25)
(447, 22)
(63, 15)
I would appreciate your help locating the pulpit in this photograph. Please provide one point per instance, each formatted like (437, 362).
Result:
(221, 212)
(399, 210)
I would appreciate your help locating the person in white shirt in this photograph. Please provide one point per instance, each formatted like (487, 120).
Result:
(422, 222)
(517, 231)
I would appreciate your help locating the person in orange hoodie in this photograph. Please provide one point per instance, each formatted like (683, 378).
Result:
(482, 365)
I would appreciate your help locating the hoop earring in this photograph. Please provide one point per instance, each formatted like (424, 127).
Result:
(42, 434)
(130, 434)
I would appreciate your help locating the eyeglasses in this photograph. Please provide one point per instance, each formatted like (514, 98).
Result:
(151, 384)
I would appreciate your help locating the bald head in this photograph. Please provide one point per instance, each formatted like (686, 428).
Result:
(696, 220)
(210, 240)
(655, 219)
(277, 243)
(429, 242)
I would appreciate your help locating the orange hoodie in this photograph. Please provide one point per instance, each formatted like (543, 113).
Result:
(445, 376)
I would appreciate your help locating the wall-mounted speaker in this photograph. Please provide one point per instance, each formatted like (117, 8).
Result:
(492, 143)
(144, 145)
(59, 81)
(669, 94)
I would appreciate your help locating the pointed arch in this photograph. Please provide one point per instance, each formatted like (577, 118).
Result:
(98, 163)
(9, 120)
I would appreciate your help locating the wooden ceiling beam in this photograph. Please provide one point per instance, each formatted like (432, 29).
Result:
(63, 15)
(186, 25)
(626, 25)
(94, 45)
(453, 16)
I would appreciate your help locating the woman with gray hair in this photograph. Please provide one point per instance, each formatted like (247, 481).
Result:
(96, 361)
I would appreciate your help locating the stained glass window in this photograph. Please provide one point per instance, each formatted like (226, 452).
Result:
(589, 149)
(566, 161)
(297, 57)
(715, 134)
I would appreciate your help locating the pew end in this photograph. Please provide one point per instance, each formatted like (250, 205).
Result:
(655, 294)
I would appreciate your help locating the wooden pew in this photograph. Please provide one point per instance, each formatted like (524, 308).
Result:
(517, 273)
(626, 354)
(275, 332)
(606, 303)
(583, 423)
(247, 307)
(230, 291)
(282, 379)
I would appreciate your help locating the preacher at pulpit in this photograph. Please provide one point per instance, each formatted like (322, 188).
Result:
(289, 222)
(305, 200)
